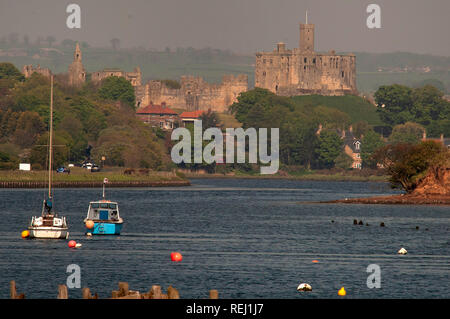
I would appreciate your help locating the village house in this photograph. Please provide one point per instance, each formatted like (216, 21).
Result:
(158, 116)
(190, 117)
(352, 147)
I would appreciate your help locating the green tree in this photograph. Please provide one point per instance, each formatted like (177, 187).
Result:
(118, 89)
(394, 103)
(328, 149)
(370, 143)
(408, 163)
(407, 133)
(344, 161)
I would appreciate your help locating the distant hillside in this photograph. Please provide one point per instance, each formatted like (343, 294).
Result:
(373, 69)
(357, 108)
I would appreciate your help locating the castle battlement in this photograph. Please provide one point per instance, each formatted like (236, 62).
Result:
(303, 71)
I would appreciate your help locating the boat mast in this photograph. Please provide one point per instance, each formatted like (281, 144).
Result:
(51, 140)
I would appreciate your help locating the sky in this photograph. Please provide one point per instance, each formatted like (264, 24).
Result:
(242, 26)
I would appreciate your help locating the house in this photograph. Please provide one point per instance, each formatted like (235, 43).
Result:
(190, 117)
(158, 116)
(352, 147)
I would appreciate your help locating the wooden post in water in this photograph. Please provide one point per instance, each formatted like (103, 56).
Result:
(13, 292)
(172, 293)
(123, 289)
(155, 292)
(213, 294)
(86, 294)
(62, 292)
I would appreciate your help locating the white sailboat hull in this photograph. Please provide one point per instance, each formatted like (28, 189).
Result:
(49, 232)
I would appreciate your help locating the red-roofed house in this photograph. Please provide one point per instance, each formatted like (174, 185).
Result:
(158, 116)
(190, 117)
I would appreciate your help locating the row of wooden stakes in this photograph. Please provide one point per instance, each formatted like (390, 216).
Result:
(122, 293)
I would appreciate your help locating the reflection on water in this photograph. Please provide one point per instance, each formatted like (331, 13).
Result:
(246, 238)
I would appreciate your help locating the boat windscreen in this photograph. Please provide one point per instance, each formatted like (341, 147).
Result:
(113, 206)
(95, 205)
(104, 205)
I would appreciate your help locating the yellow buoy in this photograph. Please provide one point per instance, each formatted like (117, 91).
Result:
(342, 292)
(25, 234)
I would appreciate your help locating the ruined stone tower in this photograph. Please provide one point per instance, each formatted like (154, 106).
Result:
(77, 74)
(303, 71)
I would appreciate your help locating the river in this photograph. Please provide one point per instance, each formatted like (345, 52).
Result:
(247, 238)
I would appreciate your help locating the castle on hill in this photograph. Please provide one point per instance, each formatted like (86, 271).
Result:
(302, 71)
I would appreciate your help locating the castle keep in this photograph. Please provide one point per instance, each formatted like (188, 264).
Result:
(302, 71)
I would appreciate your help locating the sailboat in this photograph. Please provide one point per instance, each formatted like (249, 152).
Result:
(103, 217)
(49, 225)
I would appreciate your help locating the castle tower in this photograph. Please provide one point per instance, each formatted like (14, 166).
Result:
(77, 74)
(306, 36)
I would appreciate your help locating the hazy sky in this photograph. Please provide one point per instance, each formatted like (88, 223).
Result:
(243, 26)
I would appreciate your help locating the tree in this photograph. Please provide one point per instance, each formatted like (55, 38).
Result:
(210, 119)
(370, 143)
(407, 163)
(344, 161)
(9, 72)
(407, 133)
(394, 103)
(118, 89)
(28, 129)
(328, 149)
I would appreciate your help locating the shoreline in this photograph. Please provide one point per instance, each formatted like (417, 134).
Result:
(94, 184)
(406, 199)
(312, 177)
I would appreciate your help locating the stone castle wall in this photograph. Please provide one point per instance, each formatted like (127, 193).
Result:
(28, 70)
(302, 71)
(196, 94)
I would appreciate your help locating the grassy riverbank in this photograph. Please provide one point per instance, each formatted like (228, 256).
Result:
(79, 177)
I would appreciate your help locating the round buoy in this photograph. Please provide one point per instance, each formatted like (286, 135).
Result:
(304, 287)
(176, 256)
(315, 261)
(342, 292)
(89, 224)
(25, 234)
(72, 244)
(89, 234)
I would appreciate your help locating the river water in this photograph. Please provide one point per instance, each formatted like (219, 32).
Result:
(246, 238)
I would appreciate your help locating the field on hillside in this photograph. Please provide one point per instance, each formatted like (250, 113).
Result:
(356, 107)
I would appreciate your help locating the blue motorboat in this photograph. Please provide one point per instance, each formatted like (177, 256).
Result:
(103, 217)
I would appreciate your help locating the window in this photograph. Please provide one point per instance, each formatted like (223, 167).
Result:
(305, 60)
(94, 205)
(104, 205)
(112, 206)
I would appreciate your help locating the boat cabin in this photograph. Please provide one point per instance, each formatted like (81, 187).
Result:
(103, 210)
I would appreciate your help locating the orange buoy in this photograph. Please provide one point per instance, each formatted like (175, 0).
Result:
(342, 292)
(25, 234)
(72, 244)
(89, 224)
(176, 256)
(315, 261)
